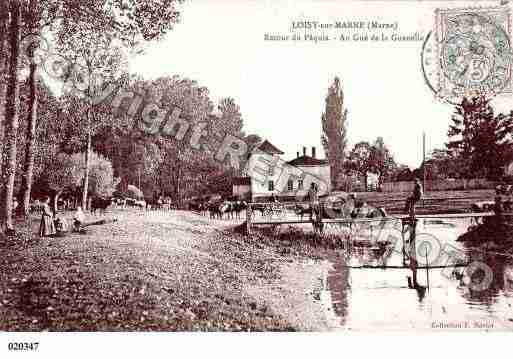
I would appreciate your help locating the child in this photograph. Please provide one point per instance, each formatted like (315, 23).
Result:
(78, 219)
(61, 226)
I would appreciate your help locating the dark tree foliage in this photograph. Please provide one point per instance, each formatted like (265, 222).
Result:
(480, 139)
(333, 137)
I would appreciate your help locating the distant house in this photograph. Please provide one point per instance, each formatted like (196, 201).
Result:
(268, 174)
(242, 188)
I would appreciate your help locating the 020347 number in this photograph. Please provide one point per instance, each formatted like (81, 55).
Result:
(18, 346)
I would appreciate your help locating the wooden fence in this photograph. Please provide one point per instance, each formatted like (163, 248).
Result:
(440, 185)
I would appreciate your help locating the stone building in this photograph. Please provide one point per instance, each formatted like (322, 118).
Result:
(267, 174)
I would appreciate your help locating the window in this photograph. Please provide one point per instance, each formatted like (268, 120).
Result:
(271, 185)
(290, 185)
(300, 184)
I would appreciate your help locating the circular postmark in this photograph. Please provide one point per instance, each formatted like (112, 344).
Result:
(472, 57)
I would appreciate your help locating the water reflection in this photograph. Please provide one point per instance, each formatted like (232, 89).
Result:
(499, 266)
(377, 298)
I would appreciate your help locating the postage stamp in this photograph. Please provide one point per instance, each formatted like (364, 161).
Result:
(473, 52)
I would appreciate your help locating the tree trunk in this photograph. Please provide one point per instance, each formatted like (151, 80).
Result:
(178, 185)
(56, 201)
(11, 119)
(4, 22)
(28, 169)
(86, 173)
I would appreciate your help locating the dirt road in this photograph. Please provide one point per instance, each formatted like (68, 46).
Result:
(162, 271)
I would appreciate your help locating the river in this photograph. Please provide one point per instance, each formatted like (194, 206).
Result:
(475, 297)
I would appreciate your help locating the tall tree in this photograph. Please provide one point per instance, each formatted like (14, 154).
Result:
(11, 118)
(97, 42)
(382, 161)
(440, 164)
(32, 24)
(402, 173)
(479, 138)
(4, 57)
(129, 22)
(333, 135)
(181, 158)
(66, 174)
(360, 160)
(101, 59)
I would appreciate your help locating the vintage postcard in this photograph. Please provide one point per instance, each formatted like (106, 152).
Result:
(235, 166)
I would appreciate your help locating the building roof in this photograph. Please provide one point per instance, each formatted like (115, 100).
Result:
(240, 181)
(307, 161)
(268, 147)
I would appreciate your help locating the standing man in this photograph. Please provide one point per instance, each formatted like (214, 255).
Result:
(315, 208)
(313, 197)
(414, 198)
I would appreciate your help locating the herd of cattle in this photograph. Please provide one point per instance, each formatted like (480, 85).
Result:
(218, 208)
(96, 204)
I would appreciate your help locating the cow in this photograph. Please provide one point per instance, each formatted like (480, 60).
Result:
(99, 203)
(302, 209)
(154, 203)
(238, 207)
(259, 207)
(227, 207)
(196, 207)
(214, 210)
(119, 202)
(135, 203)
(130, 202)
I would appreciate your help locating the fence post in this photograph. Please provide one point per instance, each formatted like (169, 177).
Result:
(413, 248)
(248, 219)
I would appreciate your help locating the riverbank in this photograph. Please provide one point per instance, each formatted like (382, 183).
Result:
(161, 271)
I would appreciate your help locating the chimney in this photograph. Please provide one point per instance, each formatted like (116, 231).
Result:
(313, 152)
(304, 151)
(297, 153)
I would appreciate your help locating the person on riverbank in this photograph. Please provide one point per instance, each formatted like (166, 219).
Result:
(313, 197)
(47, 227)
(357, 206)
(414, 197)
(315, 208)
(78, 219)
(61, 226)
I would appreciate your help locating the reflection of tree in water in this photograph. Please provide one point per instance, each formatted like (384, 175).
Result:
(339, 285)
(339, 278)
(500, 265)
(369, 251)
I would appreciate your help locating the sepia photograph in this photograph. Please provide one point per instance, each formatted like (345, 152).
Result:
(197, 166)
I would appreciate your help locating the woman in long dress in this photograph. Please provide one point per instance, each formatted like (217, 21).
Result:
(47, 227)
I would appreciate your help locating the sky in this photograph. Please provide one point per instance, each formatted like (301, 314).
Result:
(281, 86)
